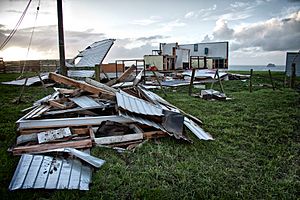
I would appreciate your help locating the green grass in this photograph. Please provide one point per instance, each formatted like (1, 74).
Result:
(255, 154)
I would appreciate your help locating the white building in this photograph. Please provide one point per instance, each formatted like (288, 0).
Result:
(172, 56)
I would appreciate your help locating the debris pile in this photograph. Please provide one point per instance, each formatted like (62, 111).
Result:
(55, 137)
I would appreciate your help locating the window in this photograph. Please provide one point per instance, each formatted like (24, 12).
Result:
(195, 47)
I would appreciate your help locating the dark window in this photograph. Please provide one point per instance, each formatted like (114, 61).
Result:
(195, 47)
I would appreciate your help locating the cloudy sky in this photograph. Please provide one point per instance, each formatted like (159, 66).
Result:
(258, 31)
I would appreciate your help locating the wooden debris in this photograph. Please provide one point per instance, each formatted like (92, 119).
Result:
(55, 104)
(71, 82)
(87, 143)
(118, 139)
(123, 77)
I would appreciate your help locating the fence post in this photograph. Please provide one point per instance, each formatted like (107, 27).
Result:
(97, 73)
(191, 82)
(293, 76)
(250, 83)
(273, 86)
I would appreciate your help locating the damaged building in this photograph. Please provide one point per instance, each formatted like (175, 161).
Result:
(173, 56)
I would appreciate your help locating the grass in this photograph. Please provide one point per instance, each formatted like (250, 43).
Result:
(255, 154)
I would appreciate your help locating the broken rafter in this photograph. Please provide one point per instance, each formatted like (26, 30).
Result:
(123, 77)
(71, 82)
(43, 147)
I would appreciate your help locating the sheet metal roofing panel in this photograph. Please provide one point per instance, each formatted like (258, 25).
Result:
(39, 171)
(85, 102)
(94, 54)
(142, 120)
(81, 73)
(30, 81)
(153, 96)
(204, 73)
(136, 105)
(197, 130)
(65, 122)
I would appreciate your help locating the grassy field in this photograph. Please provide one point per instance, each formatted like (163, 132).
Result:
(255, 154)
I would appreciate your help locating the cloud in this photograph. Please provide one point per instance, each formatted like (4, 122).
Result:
(276, 34)
(205, 12)
(146, 22)
(13, 11)
(45, 39)
(45, 42)
(189, 15)
(239, 4)
(222, 31)
(169, 26)
(131, 43)
(118, 51)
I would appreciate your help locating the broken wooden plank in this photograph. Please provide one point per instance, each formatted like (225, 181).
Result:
(92, 134)
(71, 82)
(119, 138)
(43, 147)
(74, 130)
(124, 144)
(55, 104)
(123, 77)
(101, 85)
(154, 134)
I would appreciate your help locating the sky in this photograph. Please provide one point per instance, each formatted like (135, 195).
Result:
(259, 31)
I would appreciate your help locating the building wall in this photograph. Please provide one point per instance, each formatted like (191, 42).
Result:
(167, 49)
(154, 60)
(290, 58)
(182, 56)
(215, 49)
(111, 67)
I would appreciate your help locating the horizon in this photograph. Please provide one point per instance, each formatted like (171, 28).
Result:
(259, 32)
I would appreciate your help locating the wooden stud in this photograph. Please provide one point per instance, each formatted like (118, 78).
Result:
(271, 79)
(192, 81)
(250, 80)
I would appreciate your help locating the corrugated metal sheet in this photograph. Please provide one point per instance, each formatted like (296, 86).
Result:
(142, 120)
(197, 130)
(94, 54)
(38, 171)
(30, 81)
(153, 96)
(85, 102)
(136, 105)
(206, 73)
(65, 122)
(81, 73)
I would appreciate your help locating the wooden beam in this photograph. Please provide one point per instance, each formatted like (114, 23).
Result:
(71, 82)
(122, 77)
(192, 82)
(55, 104)
(119, 139)
(250, 81)
(271, 79)
(97, 84)
(154, 134)
(87, 143)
